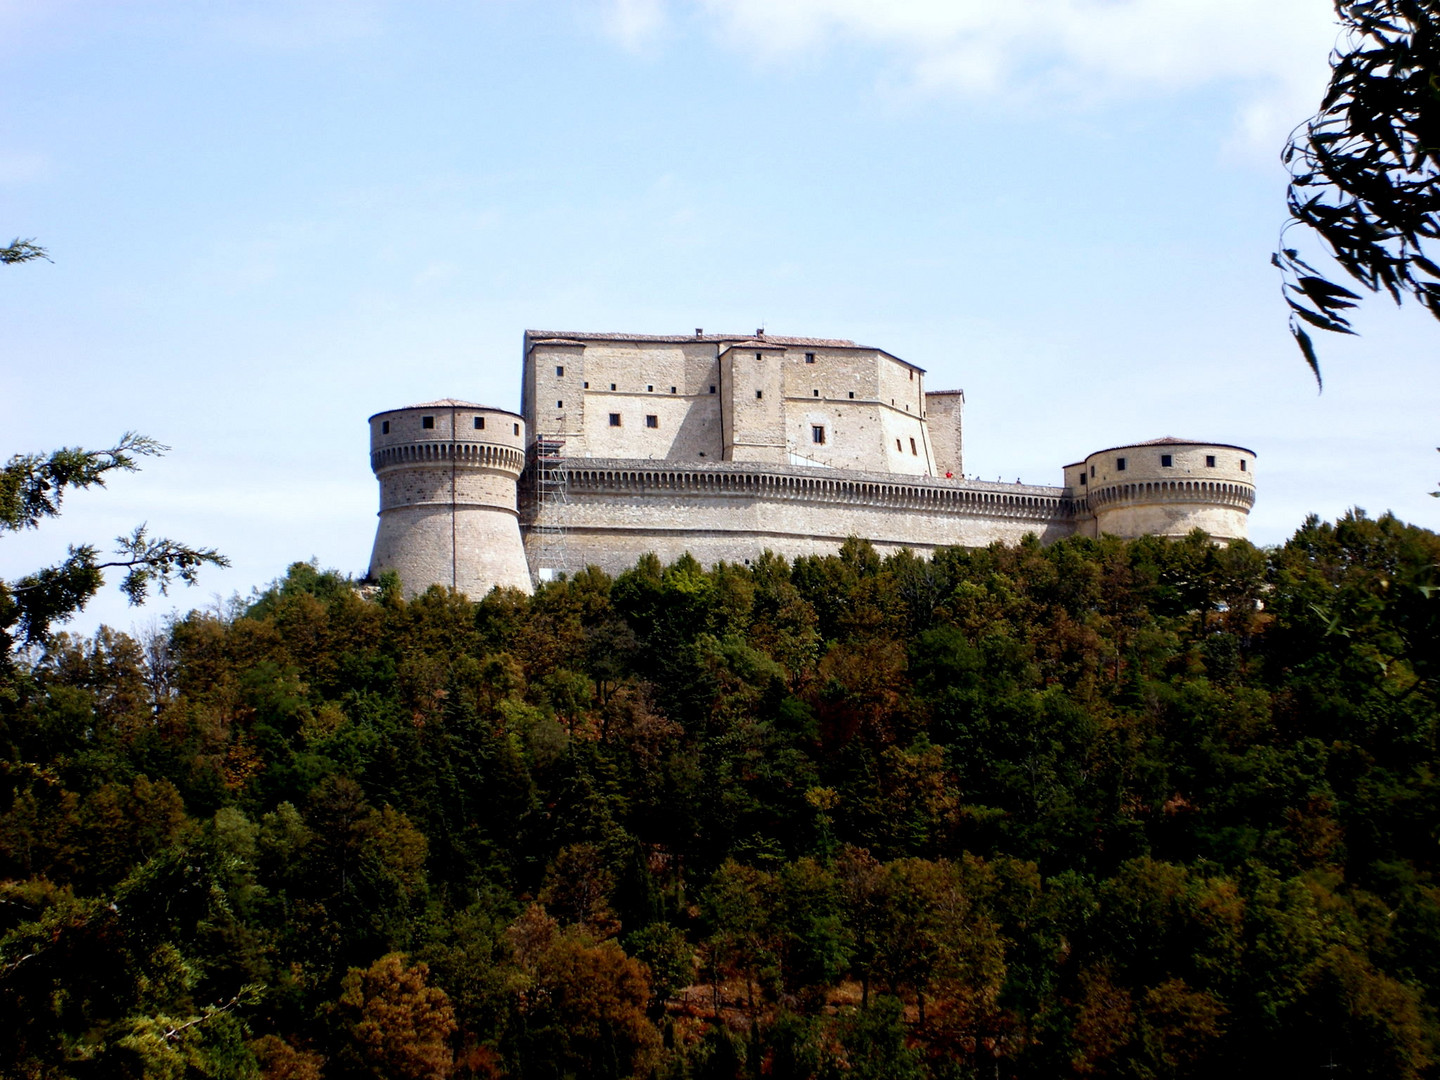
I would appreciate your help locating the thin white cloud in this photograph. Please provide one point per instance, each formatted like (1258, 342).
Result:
(1040, 52)
(636, 24)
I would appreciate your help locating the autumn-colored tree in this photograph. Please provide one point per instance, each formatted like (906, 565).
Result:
(396, 1026)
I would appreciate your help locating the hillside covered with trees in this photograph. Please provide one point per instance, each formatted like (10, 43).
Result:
(1103, 808)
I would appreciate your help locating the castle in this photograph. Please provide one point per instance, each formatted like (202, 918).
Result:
(724, 445)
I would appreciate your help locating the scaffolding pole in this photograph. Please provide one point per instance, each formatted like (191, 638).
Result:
(551, 554)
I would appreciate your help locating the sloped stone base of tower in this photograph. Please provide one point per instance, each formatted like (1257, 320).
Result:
(472, 548)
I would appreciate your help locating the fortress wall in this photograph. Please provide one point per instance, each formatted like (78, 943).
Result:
(618, 511)
(752, 390)
(416, 542)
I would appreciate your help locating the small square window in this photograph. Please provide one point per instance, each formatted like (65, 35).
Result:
(809, 358)
(1166, 461)
(1242, 464)
(560, 370)
(384, 427)
(612, 386)
(712, 389)
(912, 448)
(427, 422)
(586, 385)
(479, 423)
(815, 392)
(757, 356)
(1119, 464)
(559, 404)
(759, 394)
(1209, 461)
(817, 434)
(652, 421)
(852, 395)
(673, 389)
(650, 389)
(614, 419)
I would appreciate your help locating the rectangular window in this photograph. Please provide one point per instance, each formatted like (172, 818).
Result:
(712, 389)
(560, 371)
(815, 392)
(650, 389)
(384, 427)
(852, 395)
(899, 447)
(672, 389)
(479, 423)
(1119, 464)
(1166, 461)
(614, 419)
(757, 356)
(1242, 464)
(517, 429)
(1082, 479)
(1092, 472)
(817, 433)
(559, 404)
(612, 386)
(912, 448)
(586, 385)
(427, 422)
(809, 358)
(652, 421)
(912, 374)
(1209, 461)
(759, 394)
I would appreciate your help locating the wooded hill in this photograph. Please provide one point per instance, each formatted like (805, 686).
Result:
(1102, 808)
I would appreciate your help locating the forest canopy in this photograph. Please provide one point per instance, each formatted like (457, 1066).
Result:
(1104, 808)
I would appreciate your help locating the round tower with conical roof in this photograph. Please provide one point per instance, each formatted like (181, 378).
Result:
(449, 472)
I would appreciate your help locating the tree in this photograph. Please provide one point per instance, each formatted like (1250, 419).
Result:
(1365, 170)
(397, 1025)
(21, 251)
(32, 487)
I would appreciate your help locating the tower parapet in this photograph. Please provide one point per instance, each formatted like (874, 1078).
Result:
(1165, 487)
(448, 473)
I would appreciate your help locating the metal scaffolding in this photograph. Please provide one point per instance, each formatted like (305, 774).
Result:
(550, 555)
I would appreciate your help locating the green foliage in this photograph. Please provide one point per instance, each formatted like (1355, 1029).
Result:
(1365, 170)
(1150, 809)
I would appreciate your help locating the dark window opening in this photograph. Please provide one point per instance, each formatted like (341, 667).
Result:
(759, 394)
(427, 422)
(898, 446)
(912, 448)
(912, 375)
(817, 434)
(1209, 461)
(612, 386)
(614, 419)
(652, 421)
(1166, 461)
(757, 356)
(712, 389)
(517, 429)
(479, 423)
(560, 370)
(815, 392)
(650, 389)
(1092, 472)
(809, 358)
(384, 427)
(1119, 464)
(586, 385)
(1082, 479)
(1242, 464)
(672, 389)
(559, 404)
(852, 394)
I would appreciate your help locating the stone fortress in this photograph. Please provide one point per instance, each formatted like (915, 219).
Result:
(724, 445)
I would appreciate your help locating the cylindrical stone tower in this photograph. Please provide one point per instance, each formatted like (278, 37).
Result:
(448, 473)
(1167, 487)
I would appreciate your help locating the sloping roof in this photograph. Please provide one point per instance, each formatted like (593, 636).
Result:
(449, 403)
(575, 337)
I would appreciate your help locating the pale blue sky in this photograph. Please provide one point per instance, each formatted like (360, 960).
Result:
(270, 220)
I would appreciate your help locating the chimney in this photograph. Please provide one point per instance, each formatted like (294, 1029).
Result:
(759, 331)
(699, 332)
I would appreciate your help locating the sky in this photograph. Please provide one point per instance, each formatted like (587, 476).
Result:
(269, 220)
